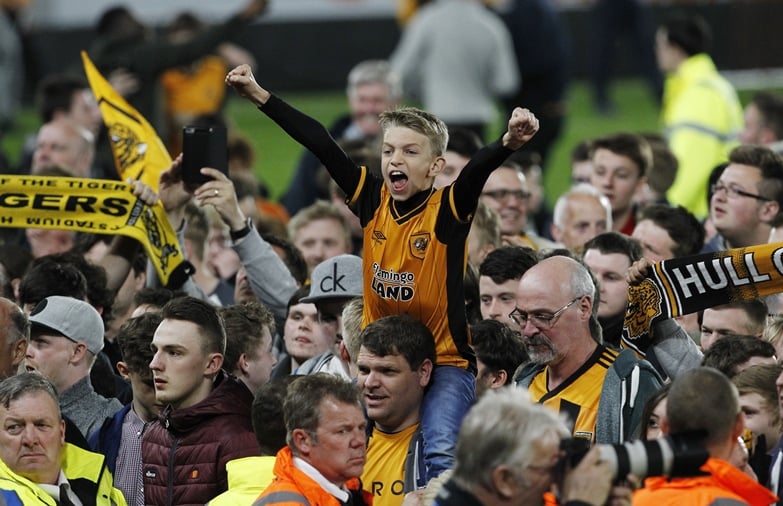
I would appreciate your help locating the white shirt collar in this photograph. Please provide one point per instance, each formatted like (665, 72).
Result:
(341, 494)
(54, 490)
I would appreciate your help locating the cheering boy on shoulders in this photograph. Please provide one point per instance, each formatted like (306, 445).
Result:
(415, 237)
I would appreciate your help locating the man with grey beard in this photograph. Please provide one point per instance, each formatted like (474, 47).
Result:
(600, 391)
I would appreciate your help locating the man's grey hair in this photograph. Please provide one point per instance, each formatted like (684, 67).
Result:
(583, 190)
(26, 383)
(304, 399)
(582, 282)
(503, 428)
(375, 71)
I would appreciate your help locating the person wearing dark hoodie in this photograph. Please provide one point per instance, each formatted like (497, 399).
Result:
(205, 421)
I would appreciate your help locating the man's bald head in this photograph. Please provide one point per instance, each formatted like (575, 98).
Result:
(14, 334)
(64, 143)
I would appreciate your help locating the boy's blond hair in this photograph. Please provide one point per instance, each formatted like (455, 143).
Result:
(419, 121)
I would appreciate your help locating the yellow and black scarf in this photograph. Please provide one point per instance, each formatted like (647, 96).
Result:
(93, 205)
(689, 284)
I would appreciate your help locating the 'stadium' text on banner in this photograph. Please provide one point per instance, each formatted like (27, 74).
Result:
(97, 206)
(689, 284)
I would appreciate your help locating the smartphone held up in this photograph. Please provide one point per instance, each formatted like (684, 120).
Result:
(203, 146)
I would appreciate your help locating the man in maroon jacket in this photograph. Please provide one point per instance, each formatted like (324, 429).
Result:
(206, 421)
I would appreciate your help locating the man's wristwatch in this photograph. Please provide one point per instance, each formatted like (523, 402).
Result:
(236, 235)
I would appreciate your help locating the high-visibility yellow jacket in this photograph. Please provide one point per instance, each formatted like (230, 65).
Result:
(247, 479)
(702, 118)
(84, 469)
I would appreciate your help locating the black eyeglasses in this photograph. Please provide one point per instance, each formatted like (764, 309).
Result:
(504, 194)
(733, 192)
(541, 320)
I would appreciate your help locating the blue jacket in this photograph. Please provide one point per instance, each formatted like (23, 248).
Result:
(106, 440)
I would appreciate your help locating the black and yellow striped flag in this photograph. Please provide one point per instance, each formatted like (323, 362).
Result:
(139, 153)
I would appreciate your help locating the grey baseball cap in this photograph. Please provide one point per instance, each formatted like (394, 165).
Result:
(336, 277)
(73, 318)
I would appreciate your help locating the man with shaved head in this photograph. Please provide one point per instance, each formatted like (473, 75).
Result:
(568, 359)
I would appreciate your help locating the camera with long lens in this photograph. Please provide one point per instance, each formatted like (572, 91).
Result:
(674, 455)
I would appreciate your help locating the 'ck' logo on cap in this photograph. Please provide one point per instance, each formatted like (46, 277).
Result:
(332, 283)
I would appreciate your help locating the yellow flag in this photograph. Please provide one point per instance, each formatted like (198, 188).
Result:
(138, 151)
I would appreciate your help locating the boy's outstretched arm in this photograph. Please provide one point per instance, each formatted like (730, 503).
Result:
(466, 190)
(522, 126)
(302, 128)
(242, 80)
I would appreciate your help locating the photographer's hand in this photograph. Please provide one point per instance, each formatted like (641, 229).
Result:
(622, 493)
(589, 482)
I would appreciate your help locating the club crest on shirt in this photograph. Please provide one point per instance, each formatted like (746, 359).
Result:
(418, 244)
